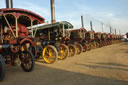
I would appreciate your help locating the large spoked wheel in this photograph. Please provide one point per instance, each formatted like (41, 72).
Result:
(92, 46)
(88, 47)
(63, 52)
(84, 47)
(109, 42)
(101, 44)
(105, 43)
(72, 50)
(33, 50)
(79, 48)
(2, 68)
(27, 61)
(97, 45)
(49, 54)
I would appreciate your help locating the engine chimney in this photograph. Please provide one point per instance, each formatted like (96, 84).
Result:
(91, 25)
(110, 29)
(82, 21)
(102, 28)
(115, 31)
(119, 32)
(9, 4)
(53, 11)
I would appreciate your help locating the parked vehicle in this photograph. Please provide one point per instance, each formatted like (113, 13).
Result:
(15, 42)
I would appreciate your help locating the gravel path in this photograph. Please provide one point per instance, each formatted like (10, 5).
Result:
(103, 66)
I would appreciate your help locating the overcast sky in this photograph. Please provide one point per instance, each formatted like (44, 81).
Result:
(109, 12)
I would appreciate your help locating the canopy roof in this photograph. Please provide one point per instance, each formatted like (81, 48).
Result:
(66, 24)
(18, 12)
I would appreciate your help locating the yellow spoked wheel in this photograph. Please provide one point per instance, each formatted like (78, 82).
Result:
(79, 48)
(104, 43)
(63, 52)
(84, 47)
(92, 46)
(101, 44)
(88, 47)
(72, 50)
(49, 54)
(110, 42)
(95, 45)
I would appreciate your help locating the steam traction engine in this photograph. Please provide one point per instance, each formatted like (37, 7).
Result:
(113, 38)
(90, 38)
(109, 42)
(104, 39)
(77, 37)
(15, 44)
(51, 40)
(98, 39)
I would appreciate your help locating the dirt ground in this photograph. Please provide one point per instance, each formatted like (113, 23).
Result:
(103, 66)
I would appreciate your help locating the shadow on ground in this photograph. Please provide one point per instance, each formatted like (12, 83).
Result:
(110, 64)
(126, 51)
(43, 75)
(124, 43)
(104, 67)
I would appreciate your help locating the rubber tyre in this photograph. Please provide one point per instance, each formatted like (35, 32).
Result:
(27, 58)
(2, 68)
(33, 50)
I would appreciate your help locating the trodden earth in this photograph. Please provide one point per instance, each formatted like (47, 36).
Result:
(103, 66)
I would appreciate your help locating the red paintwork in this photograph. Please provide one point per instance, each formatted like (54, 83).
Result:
(109, 36)
(18, 12)
(12, 41)
(23, 31)
(15, 49)
(26, 40)
(67, 38)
